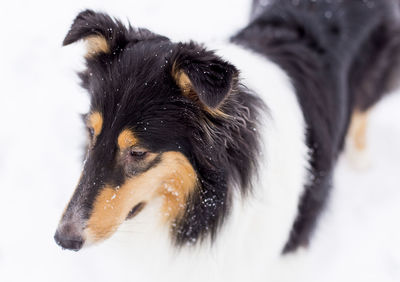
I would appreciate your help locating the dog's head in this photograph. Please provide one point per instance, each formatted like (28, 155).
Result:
(159, 128)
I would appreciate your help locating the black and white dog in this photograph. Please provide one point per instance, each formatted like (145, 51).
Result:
(226, 155)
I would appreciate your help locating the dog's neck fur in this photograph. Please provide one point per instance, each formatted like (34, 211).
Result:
(261, 221)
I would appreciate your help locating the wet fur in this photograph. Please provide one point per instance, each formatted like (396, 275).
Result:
(133, 86)
(133, 83)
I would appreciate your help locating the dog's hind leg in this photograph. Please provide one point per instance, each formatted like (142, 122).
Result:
(356, 143)
(375, 72)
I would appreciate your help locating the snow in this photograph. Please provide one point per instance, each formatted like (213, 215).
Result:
(42, 136)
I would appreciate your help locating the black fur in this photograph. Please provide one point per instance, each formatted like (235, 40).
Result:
(133, 87)
(340, 56)
(89, 23)
(212, 79)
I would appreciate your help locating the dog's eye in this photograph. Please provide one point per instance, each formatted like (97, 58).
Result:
(91, 132)
(137, 154)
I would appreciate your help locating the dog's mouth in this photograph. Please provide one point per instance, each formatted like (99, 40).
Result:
(135, 210)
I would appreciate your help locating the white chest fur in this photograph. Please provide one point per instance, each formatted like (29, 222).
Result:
(249, 245)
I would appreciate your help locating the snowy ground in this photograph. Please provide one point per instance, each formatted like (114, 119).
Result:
(41, 136)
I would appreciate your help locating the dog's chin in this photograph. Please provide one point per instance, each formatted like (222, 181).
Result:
(93, 240)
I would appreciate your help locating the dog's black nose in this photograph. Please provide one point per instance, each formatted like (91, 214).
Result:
(68, 240)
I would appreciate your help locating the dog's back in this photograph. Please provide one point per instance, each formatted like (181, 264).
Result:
(342, 57)
(357, 42)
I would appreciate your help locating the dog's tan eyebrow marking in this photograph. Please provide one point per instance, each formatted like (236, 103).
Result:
(95, 121)
(126, 139)
(96, 44)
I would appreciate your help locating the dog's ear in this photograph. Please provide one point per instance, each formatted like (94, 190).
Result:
(202, 75)
(101, 33)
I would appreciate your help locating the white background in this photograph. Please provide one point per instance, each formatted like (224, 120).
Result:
(41, 139)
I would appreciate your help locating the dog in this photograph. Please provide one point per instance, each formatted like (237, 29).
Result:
(231, 151)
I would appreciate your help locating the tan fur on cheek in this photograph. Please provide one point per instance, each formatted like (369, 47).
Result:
(176, 186)
(113, 205)
(96, 44)
(172, 179)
